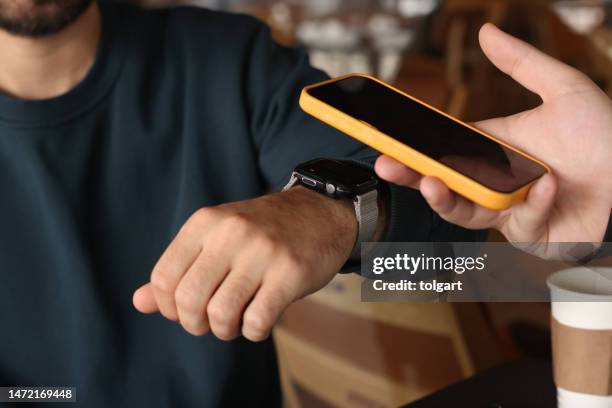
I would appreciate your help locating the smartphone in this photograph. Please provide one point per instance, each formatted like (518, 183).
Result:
(470, 162)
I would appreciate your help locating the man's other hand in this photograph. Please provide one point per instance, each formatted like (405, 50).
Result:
(234, 268)
(571, 131)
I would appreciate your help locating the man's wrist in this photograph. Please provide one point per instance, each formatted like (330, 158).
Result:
(347, 208)
(339, 212)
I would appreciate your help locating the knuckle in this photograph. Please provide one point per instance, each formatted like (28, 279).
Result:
(256, 325)
(278, 299)
(212, 246)
(295, 263)
(225, 334)
(239, 220)
(170, 315)
(161, 281)
(267, 244)
(259, 243)
(239, 294)
(201, 214)
(237, 223)
(294, 281)
(195, 329)
(255, 336)
(218, 314)
(223, 323)
(293, 260)
(294, 266)
(196, 332)
(187, 300)
(199, 218)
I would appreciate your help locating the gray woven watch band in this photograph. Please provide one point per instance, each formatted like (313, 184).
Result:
(366, 210)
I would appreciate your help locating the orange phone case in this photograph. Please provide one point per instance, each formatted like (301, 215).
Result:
(417, 161)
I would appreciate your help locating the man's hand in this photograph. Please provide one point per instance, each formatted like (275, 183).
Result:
(571, 132)
(235, 268)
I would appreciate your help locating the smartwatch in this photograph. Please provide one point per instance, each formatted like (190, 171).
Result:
(343, 180)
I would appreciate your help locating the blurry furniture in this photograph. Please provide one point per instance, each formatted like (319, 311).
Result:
(439, 74)
(601, 38)
(590, 52)
(336, 351)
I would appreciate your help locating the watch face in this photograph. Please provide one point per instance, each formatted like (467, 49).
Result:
(337, 178)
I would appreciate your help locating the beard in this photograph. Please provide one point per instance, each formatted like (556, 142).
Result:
(39, 18)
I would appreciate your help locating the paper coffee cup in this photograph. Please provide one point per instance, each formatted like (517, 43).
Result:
(582, 336)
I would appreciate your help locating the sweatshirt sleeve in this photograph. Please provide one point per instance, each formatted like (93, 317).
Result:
(285, 136)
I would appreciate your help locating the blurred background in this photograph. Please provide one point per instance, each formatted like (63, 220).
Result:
(336, 351)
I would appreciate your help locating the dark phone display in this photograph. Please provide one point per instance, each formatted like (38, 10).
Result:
(430, 133)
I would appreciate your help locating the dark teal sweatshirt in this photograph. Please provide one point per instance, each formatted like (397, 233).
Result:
(183, 108)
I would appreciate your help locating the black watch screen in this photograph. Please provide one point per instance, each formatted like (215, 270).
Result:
(337, 179)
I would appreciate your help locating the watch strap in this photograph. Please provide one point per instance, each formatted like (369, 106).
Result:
(366, 210)
(292, 182)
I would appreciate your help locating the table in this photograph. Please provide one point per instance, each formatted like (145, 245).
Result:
(519, 384)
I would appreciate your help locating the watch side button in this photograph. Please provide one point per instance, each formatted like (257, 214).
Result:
(309, 182)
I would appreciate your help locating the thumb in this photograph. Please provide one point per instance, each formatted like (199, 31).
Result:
(533, 214)
(538, 72)
(144, 300)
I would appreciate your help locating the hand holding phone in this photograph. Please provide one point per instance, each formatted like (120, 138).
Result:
(482, 176)
(571, 131)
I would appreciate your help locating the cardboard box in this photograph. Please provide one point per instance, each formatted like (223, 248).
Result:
(335, 351)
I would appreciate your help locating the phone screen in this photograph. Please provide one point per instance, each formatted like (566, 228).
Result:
(431, 133)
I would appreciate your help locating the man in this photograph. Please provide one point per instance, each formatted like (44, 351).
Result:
(123, 135)
(571, 131)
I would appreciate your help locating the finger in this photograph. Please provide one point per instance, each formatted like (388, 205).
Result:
(530, 67)
(456, 209)
(174, 263)
(144, 300)
(396, 172)
(229, 302)
(167, 274)
(195, 290)
(438, 196)
(500, 129)
(529, 218)
(265, 310)
(497, 127)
